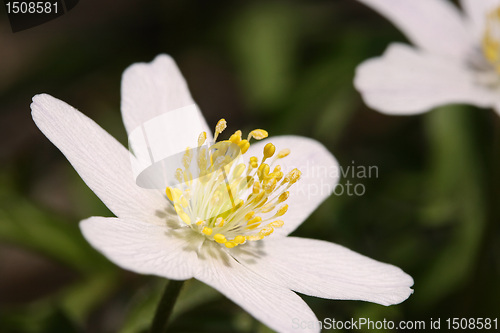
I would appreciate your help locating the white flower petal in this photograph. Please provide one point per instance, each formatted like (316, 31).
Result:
(150, 90)
(160, 143)
(433, 25)
(277, 307)
(476, 11)
(320, 175)
(141, 247)
(328, 270)
(102, 162)
(407, 81)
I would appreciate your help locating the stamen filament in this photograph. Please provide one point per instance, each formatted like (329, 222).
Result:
(231, 202)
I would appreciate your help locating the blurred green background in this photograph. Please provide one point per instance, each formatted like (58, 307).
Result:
(286, 66)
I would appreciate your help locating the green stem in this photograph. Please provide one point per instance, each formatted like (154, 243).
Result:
(165, 306)
(457, 200)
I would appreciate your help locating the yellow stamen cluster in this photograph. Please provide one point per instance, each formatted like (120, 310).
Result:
(231, 202)
(491, 39)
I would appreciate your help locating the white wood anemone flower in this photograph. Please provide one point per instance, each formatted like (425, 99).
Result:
(237, 244)
(455, 60)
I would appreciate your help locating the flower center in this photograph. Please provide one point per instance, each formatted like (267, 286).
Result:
(225, 199)
(491, 39)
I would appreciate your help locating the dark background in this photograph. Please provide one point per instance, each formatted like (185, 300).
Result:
(285, 66)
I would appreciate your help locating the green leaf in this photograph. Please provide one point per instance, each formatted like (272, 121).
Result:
(264, 38)
(22, 223)
(82, 297)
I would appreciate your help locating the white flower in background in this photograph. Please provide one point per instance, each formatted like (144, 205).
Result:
(237, 244)
(456, 58)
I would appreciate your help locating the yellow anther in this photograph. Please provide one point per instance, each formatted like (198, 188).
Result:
(267, 208)
(254, 162)
(244, 145)
(185, 217)
(179, 175)
(257, 134)
(235, 222)
(272, 176)
(174, 194)
(169, 194)
(263, 171)
(201, 138)
(276, 224)
(239, 239)
(207, 231)
(270, 186)
(259, 197)
(180, 212)
(219, 222)
(220, 127)
(238, 204)
(256, 188)
(269, 150)
(220, 238)
(254, 220)
(283, 196)
(262, 203)
(184, 202)
(253, 226)
(266, 231)
(293, 176)
(284, 153)
(491, 40)
(254, 237)
(262, 166)
(282, 211)
(186, 159)
(236, 137)
(178, 208)
(279, 175)
(248, 216)
(296, 175)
